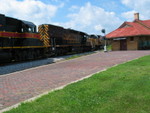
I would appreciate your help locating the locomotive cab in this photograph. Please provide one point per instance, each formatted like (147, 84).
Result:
(19, 40)
(28, 27)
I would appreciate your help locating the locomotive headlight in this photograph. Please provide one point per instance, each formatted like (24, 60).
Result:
(53, 48)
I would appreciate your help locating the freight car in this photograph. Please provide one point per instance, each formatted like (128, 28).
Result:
(18, 40)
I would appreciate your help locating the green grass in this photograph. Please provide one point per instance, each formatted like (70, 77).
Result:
(121, 89)
(109, 48)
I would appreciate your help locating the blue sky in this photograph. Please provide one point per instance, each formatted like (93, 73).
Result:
(89, 16)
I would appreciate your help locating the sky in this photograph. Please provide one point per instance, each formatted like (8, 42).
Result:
(90, 16)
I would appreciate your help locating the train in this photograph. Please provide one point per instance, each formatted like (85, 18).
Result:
(20, 40)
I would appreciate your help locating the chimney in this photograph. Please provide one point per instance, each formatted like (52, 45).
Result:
(136, 16)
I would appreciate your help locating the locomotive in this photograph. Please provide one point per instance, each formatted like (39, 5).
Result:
(20, 41)
(63, 41)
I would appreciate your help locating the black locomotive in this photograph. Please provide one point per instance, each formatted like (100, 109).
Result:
(20, 41)
(63, 41)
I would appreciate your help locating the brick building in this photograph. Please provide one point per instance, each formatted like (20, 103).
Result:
(131, 35)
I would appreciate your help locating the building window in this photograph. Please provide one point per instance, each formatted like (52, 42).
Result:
(131, 38)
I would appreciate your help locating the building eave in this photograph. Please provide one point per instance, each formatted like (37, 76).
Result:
(128, 36)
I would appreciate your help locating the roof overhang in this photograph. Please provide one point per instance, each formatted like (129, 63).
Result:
(128, 36)
(123, 38)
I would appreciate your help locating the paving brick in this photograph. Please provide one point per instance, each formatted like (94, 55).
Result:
(17, 87)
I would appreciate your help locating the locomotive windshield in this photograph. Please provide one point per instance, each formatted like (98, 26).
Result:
(15, 25)
(28, 27)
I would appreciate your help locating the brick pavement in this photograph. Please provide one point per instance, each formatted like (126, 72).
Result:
(19, 86)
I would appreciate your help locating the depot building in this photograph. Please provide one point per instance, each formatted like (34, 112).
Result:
(131, 35)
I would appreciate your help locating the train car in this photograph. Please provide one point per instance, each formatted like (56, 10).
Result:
(18, 40)
(100, 42)
(60, 40)
(53, 38)
(76, 40)
(96, 42)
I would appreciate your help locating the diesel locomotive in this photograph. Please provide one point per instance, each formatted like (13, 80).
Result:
(63, 41)
(20, 41)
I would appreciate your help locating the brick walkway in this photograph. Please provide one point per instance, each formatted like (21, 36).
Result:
(19, 86)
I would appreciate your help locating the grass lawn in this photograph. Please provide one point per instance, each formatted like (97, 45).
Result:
(121, 89)
(109, 47)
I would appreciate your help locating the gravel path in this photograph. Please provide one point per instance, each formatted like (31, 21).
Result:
(19, 86)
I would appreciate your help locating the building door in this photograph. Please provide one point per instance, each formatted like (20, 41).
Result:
(123, 44)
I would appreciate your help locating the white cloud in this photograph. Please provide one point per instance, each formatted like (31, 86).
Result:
(92, 19)
(73, 8)
(31, 10)
(141, 6)
(98, 27)
(128, 15)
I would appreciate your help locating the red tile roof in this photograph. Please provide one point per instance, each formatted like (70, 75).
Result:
(135, 28)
